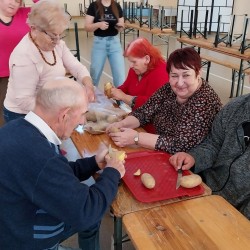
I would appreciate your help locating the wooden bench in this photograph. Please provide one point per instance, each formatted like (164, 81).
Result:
(207, 60)
(234, 51)
(208, 222)
(153, 31)
(161, 33)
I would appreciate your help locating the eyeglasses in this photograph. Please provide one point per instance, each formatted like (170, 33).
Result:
(54, 37)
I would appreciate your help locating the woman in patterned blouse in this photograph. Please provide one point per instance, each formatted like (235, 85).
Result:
(182, 112)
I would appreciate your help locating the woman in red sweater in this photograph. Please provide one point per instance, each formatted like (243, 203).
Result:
(147, 73)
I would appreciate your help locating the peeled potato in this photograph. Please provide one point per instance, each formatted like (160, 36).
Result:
(148, 180)
(137, 173)
(107, 89)
(115, 154)
(120, 155)
(190, 181)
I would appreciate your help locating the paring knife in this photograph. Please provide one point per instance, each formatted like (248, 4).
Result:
(178, 181)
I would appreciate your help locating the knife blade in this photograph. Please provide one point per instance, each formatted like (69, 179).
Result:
(178, 181)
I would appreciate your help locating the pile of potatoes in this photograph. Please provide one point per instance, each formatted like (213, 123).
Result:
(99, 118)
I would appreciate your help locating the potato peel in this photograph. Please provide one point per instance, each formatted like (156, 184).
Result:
(137, 173)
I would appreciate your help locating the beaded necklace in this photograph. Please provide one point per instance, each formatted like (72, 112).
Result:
(53, 52)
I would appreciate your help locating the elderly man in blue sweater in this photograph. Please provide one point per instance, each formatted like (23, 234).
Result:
(42, 199)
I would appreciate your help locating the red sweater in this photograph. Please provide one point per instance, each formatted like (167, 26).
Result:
(143, 89)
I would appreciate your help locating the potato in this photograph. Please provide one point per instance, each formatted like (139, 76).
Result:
(120, 155)
(112, 118)
(137, 173)
(107, 89)
(100, 126)
(148, 180)
(90, 116)
(101, 116)
(116, 154)
(114, 130)
(190, 181)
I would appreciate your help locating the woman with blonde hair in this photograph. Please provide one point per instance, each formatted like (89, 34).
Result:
(40, 56)
(105, 19)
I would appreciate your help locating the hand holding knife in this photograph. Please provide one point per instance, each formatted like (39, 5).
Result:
(181, 161)
(179, 176)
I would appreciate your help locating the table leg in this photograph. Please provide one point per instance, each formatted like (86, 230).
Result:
(233, 83)
(239, 78)
(117, 233)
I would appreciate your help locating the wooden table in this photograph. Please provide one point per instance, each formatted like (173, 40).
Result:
(124, 202)
(208, 222)
(221, 48)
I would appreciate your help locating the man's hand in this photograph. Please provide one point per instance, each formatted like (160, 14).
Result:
(182, 161)
(100, 155)
(115, 163)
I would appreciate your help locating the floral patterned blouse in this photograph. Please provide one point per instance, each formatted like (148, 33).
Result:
(180, 126)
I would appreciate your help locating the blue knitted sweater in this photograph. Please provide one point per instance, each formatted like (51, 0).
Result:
(41, 196)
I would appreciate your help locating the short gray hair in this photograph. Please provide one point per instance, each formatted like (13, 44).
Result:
(48, 15)
(60, 93)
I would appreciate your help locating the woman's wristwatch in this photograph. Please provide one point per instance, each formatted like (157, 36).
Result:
(136, 139)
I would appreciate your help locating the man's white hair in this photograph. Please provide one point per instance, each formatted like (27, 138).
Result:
(60, 93)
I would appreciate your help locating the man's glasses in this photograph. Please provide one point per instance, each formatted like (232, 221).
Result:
(54, 37)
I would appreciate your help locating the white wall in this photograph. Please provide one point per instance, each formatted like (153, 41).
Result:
(242, 7)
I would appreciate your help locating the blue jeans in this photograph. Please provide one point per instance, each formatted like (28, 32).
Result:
(103, 48)
(9, 115)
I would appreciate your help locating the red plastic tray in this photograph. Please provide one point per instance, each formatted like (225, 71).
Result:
(157, 164)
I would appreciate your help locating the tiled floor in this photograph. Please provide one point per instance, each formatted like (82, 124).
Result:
(220, 79)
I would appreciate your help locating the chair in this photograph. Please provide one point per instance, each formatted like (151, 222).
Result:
(234, 32)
